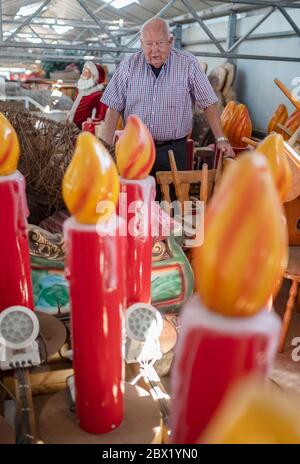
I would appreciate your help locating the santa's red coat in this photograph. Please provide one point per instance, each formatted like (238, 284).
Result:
(86, 101)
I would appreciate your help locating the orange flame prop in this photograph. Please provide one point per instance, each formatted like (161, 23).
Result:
(135, 150)
(244, 254)
(273, 149)
(293, 159)
(91, 178)
(253, 413)
(278, 117)
(292, 123)
(236, 123)
(9, 147)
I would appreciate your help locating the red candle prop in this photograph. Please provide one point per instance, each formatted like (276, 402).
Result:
(227, 334)
(213, 352)
(95, 267)
(135, 153)
(15, 276)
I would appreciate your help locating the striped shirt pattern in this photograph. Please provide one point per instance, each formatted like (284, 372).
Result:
(165, 104)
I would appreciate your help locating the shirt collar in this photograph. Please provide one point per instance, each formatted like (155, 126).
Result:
(165, 65)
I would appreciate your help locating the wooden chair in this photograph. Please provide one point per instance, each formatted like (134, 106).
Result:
(203, 155)
(292, 273)
(204, 177)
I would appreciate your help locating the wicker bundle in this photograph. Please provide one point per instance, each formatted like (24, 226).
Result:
(46, 150)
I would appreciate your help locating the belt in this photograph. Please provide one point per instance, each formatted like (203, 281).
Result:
(159, 143)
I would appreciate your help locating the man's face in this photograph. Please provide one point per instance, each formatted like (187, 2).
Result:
(86, 73)
(156, 45)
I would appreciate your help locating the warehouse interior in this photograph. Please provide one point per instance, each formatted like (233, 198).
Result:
(100, 332)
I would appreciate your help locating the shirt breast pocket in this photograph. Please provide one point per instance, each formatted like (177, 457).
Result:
(180, 95)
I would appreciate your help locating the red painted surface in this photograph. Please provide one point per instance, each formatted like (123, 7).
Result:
(90, 125)
(139, 239)
(207, 366)
(95, 269)
(15, 274)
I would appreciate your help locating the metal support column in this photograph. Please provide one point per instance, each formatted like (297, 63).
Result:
(231, 29)
(1, 24)
(177, 34)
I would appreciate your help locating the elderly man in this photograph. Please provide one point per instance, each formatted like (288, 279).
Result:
(161, 85)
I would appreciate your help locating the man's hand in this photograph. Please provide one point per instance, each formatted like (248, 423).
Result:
(226, 149)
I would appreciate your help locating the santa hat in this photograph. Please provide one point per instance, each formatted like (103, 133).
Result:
(97, 71)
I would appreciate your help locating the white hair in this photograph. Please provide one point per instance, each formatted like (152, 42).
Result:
(159, 22)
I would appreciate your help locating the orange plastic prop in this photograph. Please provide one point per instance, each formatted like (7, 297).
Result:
(293, 122)
(9, 148)
(273, 149)
(135, 150)
(279, 117)
(241, 262)
(255, 413)
(236, 124)
(91, 178)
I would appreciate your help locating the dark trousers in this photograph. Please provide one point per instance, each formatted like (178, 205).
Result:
(179, 149)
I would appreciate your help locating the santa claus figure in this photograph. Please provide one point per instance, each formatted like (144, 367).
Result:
(90, 89)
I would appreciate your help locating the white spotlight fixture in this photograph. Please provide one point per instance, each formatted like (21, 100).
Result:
(19, 328)
(143, 325)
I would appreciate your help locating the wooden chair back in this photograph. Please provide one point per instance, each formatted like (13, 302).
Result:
(205, 177)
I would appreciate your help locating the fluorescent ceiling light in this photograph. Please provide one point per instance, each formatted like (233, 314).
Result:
(28, 10)
(120, 3)
(88, 57)
(62, 29)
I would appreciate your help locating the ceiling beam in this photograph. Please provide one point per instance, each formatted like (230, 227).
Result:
(102, 26)
(36, 34)
(100, 48)
(252, 29)
(29, 19)
(22, 56)
(290, 20)
(202, 24)
(264, 3)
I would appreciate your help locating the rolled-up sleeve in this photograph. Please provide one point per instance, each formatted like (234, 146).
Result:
(114, 95)
(200, 87)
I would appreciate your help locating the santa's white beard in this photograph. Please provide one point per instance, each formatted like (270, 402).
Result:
(84, 84)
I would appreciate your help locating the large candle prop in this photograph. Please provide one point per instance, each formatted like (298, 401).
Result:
(95, 267)
(135, 155)
(225, 331)
(15, 277)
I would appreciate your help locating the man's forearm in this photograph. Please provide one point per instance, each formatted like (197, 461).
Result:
(110, 124)
(213, 117)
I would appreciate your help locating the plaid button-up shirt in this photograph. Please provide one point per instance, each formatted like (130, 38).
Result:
(165, 104)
